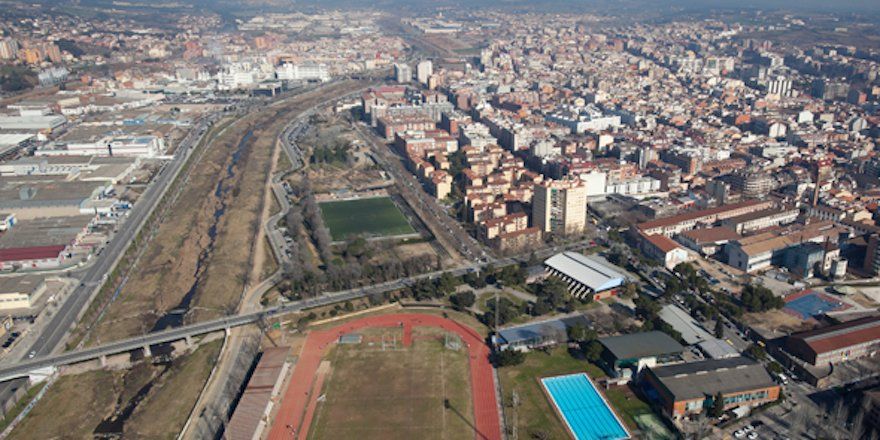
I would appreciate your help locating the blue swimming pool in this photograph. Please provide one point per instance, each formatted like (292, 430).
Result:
(585, 411)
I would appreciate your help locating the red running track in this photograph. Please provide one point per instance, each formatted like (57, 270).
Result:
(291, 420)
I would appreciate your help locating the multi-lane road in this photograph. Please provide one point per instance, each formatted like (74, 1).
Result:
(51, 336)
(446, 229)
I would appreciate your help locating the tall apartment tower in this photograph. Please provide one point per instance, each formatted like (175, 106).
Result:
(560, 207)
(424, 70)
(8, 49)
(402, 73)
(780, 87)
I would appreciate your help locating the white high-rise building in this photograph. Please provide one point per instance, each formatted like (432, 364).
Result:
(8, 49)
(302, 72)
(402, 73)
(424, 70)
(780, 87)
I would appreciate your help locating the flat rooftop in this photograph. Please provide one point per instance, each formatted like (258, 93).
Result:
(696, 380)
(641, 345)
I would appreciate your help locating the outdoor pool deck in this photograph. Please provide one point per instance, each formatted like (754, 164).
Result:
(585, 411)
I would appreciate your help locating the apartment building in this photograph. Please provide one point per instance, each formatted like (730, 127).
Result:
(687, 221)
(560, 207)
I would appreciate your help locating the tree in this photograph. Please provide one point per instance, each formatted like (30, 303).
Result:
(719, 329)
(646, 308)
(463, 300)
(446, 283)
(507, 311)
(630, 290)
(718, 406)
(474, 280)
(756, 352)
(533, 259)
(504, 358)
(580, 333)
(511, 275)
(673, 286)
(618, 255)
(541, 308)
(554, 291)
(757, 298)
(593, 350)
(686, 271)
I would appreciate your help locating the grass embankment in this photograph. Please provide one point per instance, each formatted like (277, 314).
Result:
(22, 403)
(75, 405)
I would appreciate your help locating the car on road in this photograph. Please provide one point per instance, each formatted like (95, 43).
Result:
(32, 354)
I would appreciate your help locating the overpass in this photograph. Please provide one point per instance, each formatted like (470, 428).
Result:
(144, 342)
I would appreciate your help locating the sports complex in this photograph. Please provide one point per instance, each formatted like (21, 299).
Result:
(391, 376)
(586, 413)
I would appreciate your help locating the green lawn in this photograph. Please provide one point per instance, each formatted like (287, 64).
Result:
(374, 217)
(536, 414)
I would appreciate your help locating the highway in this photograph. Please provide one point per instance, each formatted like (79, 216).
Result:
(52, 335)
(446, 229)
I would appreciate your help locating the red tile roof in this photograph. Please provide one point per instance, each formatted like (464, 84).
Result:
(31, 253)
(687, 216)
(662, 242)
(836, 337)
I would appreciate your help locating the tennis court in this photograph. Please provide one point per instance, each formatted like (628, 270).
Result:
(584, 410)
(809, 303)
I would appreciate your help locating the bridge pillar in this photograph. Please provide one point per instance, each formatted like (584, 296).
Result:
(147, 352)
(103, 360)
(227, 330)
(189, 341)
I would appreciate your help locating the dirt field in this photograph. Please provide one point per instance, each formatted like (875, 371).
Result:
(776, 321)
(398, 393)
(183, 254)
(75, 405)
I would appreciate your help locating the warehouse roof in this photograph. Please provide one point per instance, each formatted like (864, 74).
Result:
(251, 408)
(696, 380)
(539, 331)
(31, 253)
(695, 215)
(691, 331)
(641, 345)
(593, 272)
(835, 337)
(26, 284)
(711, 235)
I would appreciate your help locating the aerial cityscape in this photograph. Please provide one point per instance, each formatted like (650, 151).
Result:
(403, 219)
